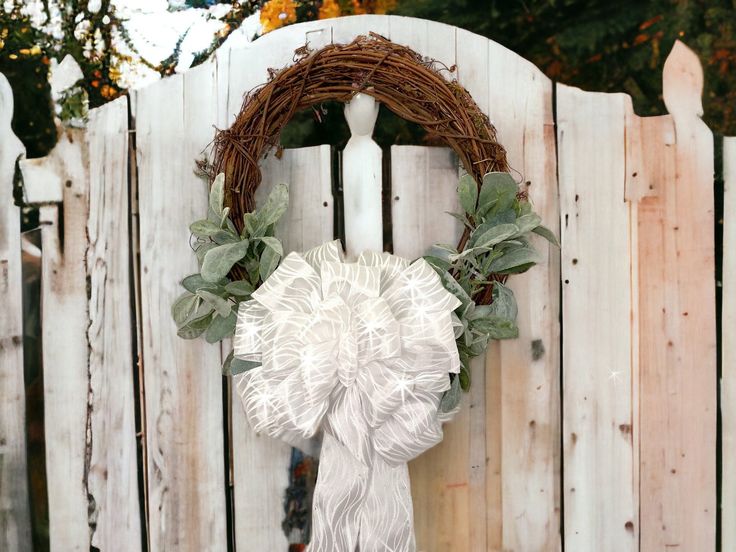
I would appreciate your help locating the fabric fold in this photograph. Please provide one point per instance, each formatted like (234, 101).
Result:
(362, 353)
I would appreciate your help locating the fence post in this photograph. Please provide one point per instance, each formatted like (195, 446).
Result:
(15, 526)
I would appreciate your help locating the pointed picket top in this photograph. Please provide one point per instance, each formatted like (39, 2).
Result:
(682, 81)
(11, 145)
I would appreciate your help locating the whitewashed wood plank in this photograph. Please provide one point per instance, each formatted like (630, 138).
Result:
(596, 299)
(183, 386)
(677, 302)
(345, 29)
(249, 66)
(431, 39)
(520, 106)
(112, 476)
(260, 463)
(423, 188)
(472, 53)
(728, 348)
(15, 525)
(420, 221)
(307, 223)
(64, 307)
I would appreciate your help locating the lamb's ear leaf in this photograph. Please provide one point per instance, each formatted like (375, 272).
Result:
(467, 189)
(219, 260)
(217, 195)
(451, 397)
(547, 234)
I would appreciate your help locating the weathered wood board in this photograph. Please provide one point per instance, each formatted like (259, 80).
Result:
(260, 463)
(676, 304)
(182, 382)
(15, 523)
(599, 494)
(112, 464)
(89, 406)
(728, 348)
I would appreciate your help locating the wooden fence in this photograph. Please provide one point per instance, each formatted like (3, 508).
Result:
(604, 440)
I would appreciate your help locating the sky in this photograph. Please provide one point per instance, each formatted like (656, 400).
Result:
(154, 30)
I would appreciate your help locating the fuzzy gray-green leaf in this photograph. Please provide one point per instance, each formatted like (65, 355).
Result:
(451, 397)
(547, 234)
(221, 327)
(217, 195)
(219, 260)
(183, 308)
(222, 306)
(275, 206)
(274, 244)
(241, 288)
(497, 193)
(203, 228)
(467, 189)
(269, 262)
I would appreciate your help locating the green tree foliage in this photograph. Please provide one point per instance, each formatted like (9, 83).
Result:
(609, 46)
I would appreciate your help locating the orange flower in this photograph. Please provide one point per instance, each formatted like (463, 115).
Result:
(277, 13)
(329, 8)
(382, 6)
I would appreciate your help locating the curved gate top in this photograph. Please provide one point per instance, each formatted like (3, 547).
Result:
(548, 423)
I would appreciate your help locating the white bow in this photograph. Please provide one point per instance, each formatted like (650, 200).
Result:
(361, 351)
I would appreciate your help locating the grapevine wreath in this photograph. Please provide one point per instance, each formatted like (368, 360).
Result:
(372, 354)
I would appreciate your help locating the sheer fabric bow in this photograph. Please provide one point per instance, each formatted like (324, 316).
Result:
(362, 352)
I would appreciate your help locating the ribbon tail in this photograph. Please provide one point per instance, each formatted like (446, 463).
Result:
(360, 508)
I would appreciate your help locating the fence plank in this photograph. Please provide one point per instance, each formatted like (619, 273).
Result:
(423, 188)
(183, 386)
(64, 307)
(677, 321)
(15, 525)
(528, 367)
(728, 348)
(596, 298)
(112, 480)
(260, 463)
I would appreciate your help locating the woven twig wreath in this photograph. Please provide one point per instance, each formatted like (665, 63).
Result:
(398, 77)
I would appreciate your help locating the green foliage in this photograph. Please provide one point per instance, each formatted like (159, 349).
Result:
(608, 46)
(209, 303)
(499, 220)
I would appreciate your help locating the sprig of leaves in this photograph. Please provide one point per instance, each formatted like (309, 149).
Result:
(209, 305)
(499, 221)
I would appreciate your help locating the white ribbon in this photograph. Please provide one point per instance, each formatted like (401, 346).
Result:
(361, 351)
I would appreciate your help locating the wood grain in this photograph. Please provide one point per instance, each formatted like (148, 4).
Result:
(112, 470)
(183, 385)
(64, 307)
(677, 320)
(527, 369)
(728, 348)
(260, 463)
(423, 182)
(600, 500)
(15, 524)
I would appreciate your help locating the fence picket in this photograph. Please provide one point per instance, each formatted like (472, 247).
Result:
(64, 307)
(527, 369)
(728, 348)
(261, 463)
(677, 320)
(596, 300)
(15, 523)
(183, 386)
(112, 473)
(423, 182)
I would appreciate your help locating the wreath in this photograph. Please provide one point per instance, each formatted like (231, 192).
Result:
(236, 246)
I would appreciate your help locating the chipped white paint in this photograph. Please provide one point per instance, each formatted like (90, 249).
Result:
(15, 523)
